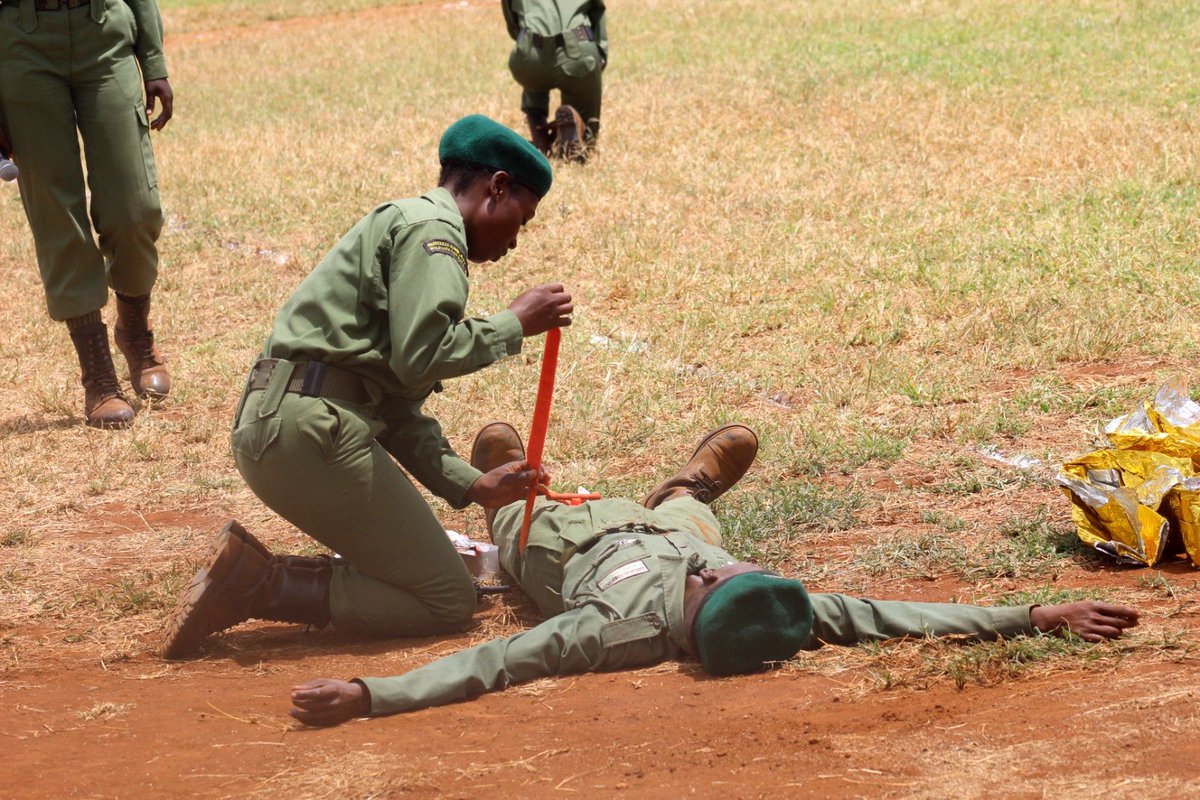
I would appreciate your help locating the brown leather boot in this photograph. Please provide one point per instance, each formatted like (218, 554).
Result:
(243, 580)
(541, 133)
(496, 444)
(568, 135)
(720, 461)
(135, 340)
(103, 404)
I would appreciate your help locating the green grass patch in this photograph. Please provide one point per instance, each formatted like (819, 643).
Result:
(926, 555)
(967, 477)
(947, 522)
(1028, 548)
(763, 527)
(1047, 595)
(820, 452)
(989, 663)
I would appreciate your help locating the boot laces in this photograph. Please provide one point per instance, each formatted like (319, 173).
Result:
(706, 487)
(143, 345)
(99, 367)
(135, 326)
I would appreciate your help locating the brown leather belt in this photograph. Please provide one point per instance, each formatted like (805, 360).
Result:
(583, 33)
(314, 379)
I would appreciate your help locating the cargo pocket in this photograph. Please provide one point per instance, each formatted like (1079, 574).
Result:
(253, 437)
(634, 629)
(581, 57)
(320, 422)
(139, 111)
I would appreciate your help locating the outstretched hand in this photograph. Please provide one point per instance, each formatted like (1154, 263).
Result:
(325, 701)
(1090, 620)
(543, 307)
(506, 484)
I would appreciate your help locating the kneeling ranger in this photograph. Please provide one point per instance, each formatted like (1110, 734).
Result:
(366, 337)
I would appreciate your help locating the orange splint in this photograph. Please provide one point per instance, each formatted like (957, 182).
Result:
(537, 435)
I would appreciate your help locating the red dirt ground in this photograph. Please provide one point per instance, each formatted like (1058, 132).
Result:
(216, 729)
(93, 712)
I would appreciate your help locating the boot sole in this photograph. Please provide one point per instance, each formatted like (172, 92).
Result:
(189, 625)
(489, 514)
(109, 426)
(704, 443)
(568, 142)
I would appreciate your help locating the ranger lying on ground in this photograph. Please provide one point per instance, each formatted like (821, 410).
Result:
(627, 585)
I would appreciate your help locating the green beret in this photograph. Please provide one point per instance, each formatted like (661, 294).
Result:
(479, 140)
(749, 620)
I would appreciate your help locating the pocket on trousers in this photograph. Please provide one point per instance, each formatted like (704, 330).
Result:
(582, 58)
(139, 111)
(579, 67)
(320, 422)
(253, 437)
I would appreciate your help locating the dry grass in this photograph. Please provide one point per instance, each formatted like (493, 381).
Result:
(883, 236)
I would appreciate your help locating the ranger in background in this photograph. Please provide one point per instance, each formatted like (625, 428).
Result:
(560, 44)
(71, 68)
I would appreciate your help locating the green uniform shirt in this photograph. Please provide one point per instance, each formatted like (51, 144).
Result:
(552, 17)
(387, 303)
(624, 609)
(149, 44)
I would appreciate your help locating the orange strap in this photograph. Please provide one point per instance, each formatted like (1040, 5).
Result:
(541, 420)
(570, 498)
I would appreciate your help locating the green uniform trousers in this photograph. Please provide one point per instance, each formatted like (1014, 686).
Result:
(61, 71)
(316, 463)
(557, 528)
(578, 78)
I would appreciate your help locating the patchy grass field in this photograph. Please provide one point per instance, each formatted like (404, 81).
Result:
(898, 239)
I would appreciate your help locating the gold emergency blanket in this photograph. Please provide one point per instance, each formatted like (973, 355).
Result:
(1140, 500)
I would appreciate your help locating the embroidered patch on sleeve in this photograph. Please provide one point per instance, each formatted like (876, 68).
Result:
(446, 248)
(621, 573)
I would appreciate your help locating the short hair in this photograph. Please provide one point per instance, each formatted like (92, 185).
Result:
(458, 174)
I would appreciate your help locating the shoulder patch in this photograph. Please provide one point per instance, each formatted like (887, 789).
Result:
(447, 248)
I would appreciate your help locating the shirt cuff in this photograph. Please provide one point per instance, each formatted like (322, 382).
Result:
(1012, 621)
(459, 475)
(154, 68)
(384, 697)
(509, 334)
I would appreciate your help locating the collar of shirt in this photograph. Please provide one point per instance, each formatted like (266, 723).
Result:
(442, 198)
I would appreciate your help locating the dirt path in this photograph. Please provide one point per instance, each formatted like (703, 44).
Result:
(217, 729)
